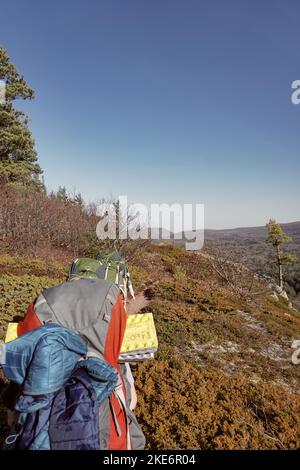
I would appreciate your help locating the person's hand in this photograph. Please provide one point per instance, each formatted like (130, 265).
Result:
(137, 304)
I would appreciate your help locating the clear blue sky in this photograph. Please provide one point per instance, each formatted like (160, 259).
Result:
(165, 100)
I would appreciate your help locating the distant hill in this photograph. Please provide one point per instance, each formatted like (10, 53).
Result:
(259, 233)
(247, 245)
(253, 233)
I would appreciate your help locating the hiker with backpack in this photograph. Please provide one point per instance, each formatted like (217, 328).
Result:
(73, 392)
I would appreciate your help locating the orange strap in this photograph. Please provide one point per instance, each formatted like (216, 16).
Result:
(30, 321)
(114, 338)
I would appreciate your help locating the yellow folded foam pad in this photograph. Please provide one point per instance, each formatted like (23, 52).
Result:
(140, 333)
(11, 332)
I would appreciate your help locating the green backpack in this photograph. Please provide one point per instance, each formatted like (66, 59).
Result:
(110, 266)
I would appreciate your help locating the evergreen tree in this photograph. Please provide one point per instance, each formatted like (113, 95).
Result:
(62, 194)
(78, 201)
(277, 238)
(18, 158)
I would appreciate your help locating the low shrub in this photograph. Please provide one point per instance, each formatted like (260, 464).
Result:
(181, 407)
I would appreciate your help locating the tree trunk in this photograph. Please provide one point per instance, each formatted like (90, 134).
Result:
(280, 274)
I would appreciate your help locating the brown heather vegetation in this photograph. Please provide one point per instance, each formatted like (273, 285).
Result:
(34, 224)
(182, 407)
(222, 377)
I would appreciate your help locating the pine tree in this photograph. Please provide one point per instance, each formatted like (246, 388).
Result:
(277, 238)
(62, 194)
(18, 158)
(78, 201)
